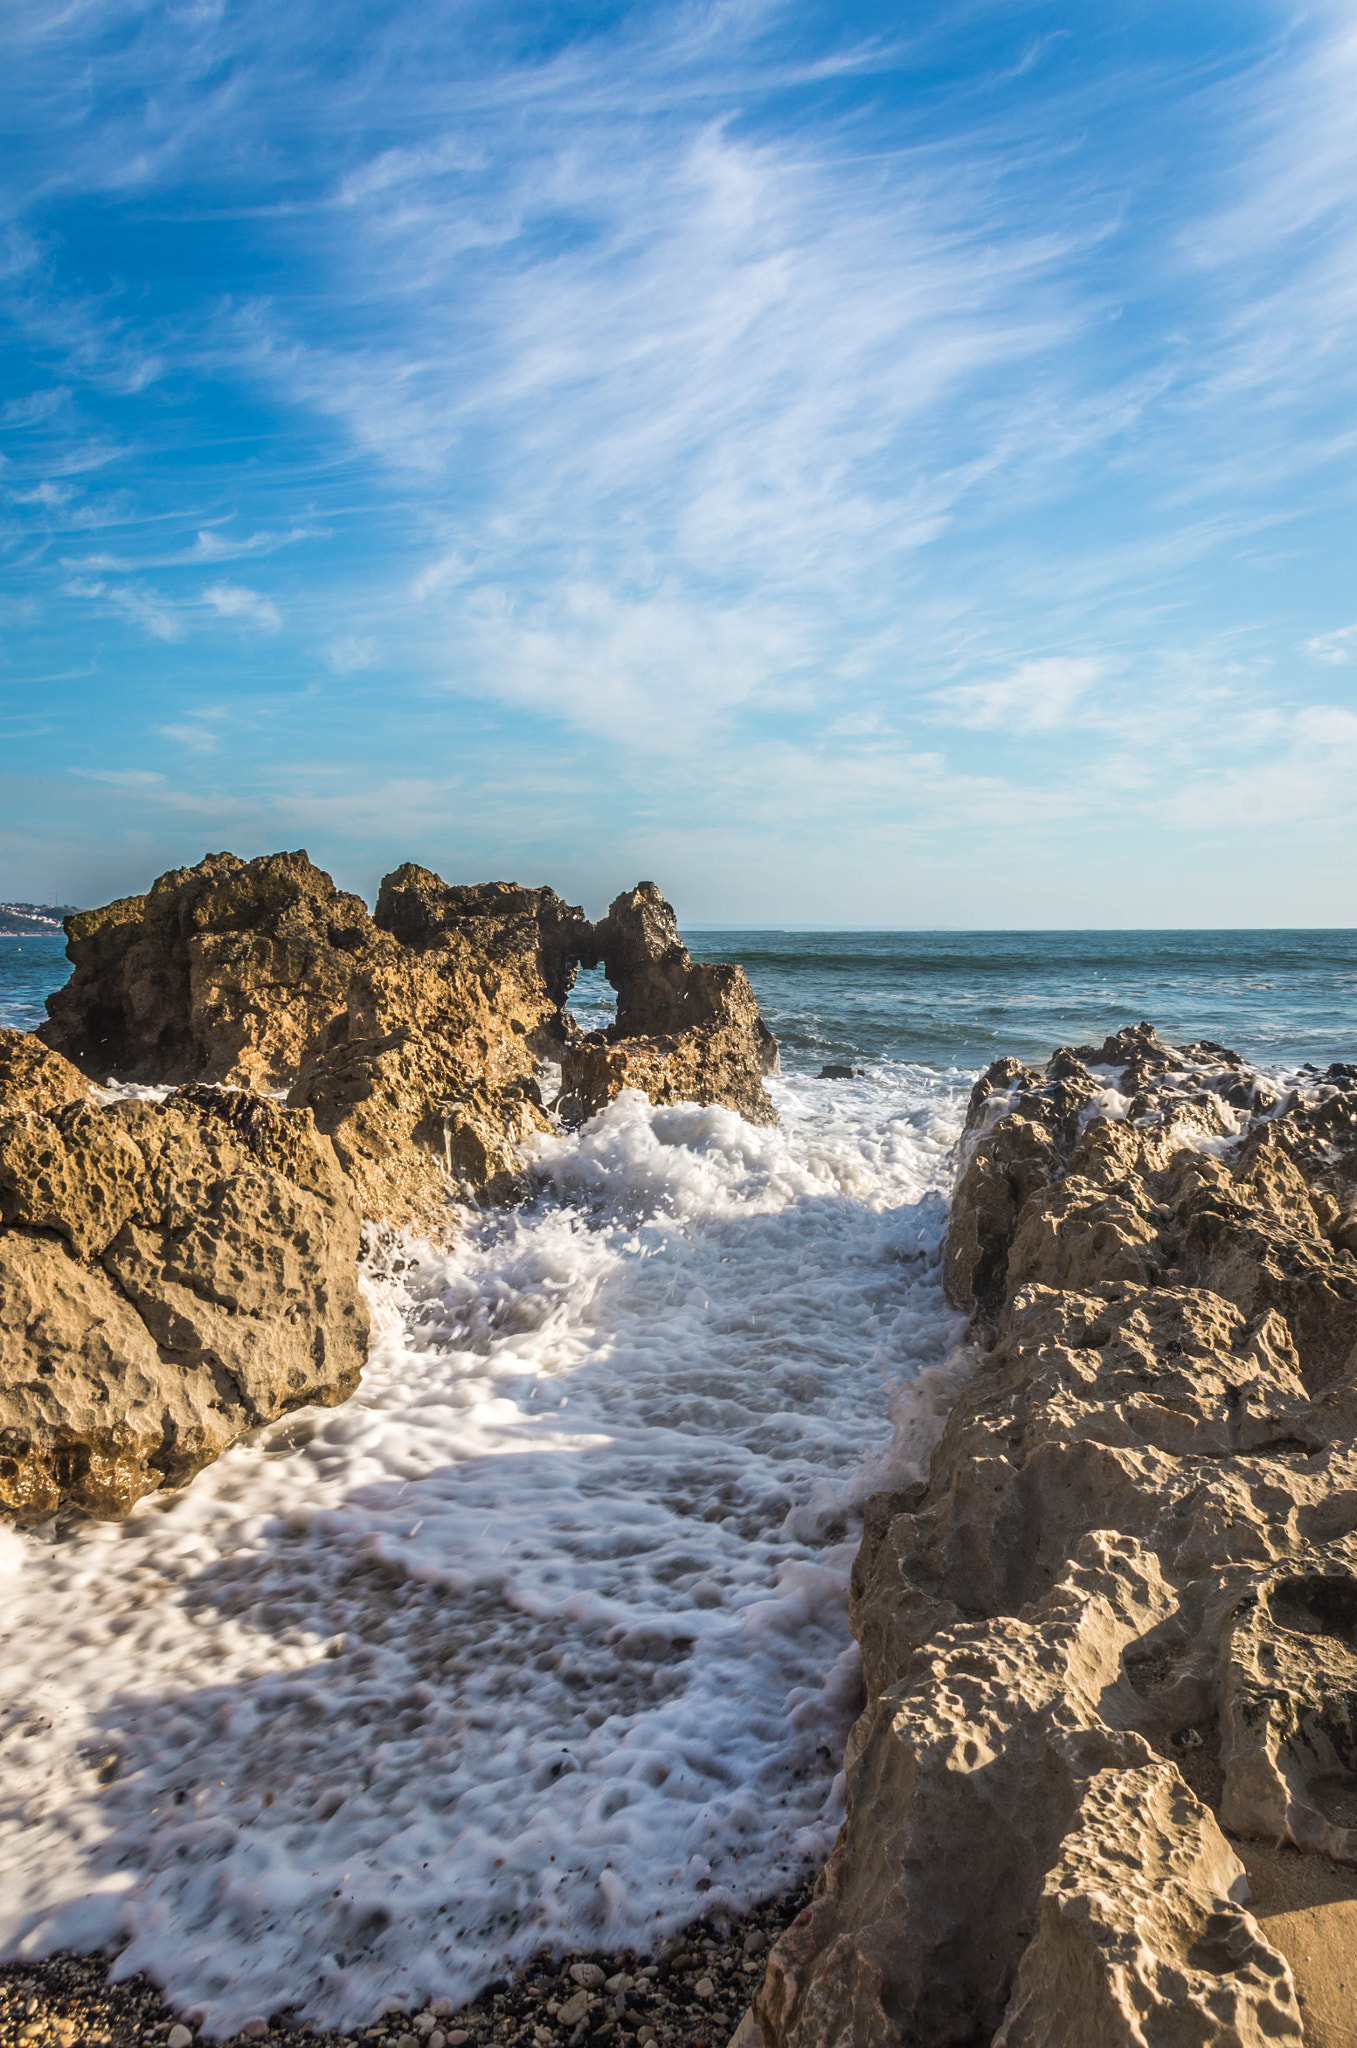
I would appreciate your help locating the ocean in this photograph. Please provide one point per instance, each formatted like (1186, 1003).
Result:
(540, 1641)
(955, 1000)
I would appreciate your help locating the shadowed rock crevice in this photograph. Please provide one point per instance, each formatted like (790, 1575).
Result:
(1114, 1640)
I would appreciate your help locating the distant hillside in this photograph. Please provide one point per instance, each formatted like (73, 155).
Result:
(33, 920)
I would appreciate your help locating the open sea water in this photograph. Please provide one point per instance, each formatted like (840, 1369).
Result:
(540, 1641)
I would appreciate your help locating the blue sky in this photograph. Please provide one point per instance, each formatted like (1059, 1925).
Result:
(881, 466)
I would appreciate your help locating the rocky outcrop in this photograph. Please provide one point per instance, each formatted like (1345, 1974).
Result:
(426, 1081)
(1110, 1647)
(414, 1035)
(171, 1274)
(222, 972)
(686, 1031)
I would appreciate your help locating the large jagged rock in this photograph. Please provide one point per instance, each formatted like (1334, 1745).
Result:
(414, 1036)
(686, 1031)
(222, 972)
(426, 1081)
(171, 1275)
(1111, 1644)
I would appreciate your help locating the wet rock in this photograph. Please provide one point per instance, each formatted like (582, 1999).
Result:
(1120, 1619)
(171, 1275)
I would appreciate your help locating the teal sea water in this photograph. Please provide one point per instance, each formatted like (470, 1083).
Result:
(959, 999)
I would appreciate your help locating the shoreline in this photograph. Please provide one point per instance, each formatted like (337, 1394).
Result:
(66, 2001)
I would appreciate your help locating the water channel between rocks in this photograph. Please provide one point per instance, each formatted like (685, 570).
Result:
(541, 1639)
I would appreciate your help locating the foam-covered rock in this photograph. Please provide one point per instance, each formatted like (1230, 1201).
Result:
(1119, 1622)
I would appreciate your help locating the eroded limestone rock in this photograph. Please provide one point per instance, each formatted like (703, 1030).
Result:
(414, 1035)
(1121, 1616)
(222, 972)
(171, 1275)
(686, 1031)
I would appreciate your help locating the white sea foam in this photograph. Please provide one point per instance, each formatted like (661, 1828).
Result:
(540, 1640)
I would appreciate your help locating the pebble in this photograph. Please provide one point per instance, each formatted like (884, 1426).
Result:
(712, 1969)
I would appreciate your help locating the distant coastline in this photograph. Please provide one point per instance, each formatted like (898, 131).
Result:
(34, 920)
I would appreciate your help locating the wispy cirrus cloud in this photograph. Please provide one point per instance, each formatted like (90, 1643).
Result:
(1335, 649)
(169, 618)
(1038, 696)
(703, 379)
(238, 601)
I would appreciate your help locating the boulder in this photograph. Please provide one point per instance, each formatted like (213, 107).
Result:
(222, 972)
(171, 1275)
(1110, 1647)
(426, 1080)
(686, 1030)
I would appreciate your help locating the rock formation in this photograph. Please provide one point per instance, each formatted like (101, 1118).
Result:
(414, 1035)
(685, 1031)
(223, 972)
(1110, 1646)
(171, 1275)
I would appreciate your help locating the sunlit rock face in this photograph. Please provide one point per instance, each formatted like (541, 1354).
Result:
(686, 1031)
(172, 1274)
(1120, 1617)
(415, 1035)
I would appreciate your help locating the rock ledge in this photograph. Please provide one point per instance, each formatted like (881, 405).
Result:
(1110, 1646)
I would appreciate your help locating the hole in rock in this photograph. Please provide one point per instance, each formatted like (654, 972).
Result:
(592, 1002)
(1334, 1793)
(1150, 1670)
(1316, 1607)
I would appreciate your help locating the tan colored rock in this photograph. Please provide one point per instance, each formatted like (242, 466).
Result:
(686, 1031)
(1288, 1681)
(1141, 1941)
(35, 1079)
(413, 1035)
(1123, 1610)
(223, 972)
(171, 1275)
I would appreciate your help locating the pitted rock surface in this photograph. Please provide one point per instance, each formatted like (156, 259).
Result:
(414, 1035)
(171, 1275)
(686, 1031)
(1112, 1642)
